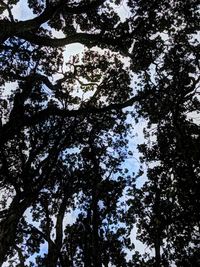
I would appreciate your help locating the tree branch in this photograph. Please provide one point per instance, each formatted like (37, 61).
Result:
(8, 9)
(82, 38)
(11, 28)
(8, 131)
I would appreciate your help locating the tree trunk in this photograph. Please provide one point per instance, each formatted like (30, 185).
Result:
(54, 252)
(157, 228)
(8, 226)
(8, 229)
(157, 251)
(95, 234)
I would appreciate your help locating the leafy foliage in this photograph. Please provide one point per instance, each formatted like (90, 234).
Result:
(67, 197)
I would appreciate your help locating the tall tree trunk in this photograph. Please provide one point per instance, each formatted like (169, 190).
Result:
(8, 226)
(157, 223)
(95, 233)
(55, 248)
(7, 234)
(87, 253)
(96, 248)
(157, 250)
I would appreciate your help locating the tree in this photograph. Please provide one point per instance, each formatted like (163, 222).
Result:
(64, 131)
(38, 122)
(167, 204)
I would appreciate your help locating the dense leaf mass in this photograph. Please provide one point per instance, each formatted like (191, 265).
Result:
(70, 193)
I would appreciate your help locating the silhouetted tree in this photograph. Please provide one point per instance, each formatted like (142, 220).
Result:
(167, 206)
(64, 132)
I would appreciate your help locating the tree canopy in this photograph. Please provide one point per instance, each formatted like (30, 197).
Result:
(68, 198)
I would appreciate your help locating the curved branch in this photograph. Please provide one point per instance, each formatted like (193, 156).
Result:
(8, 131)
(8, 9)
(11, 28)
(87, 39)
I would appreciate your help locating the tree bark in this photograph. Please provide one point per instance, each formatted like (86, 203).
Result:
(157, 251)
(157, 228)
(95, 234)
(8, 226)
(55, 248)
